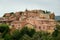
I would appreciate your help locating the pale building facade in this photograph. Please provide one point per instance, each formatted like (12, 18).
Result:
(38, 24)
(37, 19)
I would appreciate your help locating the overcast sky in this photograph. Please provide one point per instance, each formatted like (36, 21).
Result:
(21, 5)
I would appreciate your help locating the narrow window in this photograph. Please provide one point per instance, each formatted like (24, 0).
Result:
(39, 27)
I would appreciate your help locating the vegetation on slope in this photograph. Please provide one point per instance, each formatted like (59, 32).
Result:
(27, 34)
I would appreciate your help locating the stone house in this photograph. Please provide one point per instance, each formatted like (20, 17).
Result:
(37, 19)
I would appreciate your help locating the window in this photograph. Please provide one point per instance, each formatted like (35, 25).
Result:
(39, 27)
(43, 27)
(12, 25)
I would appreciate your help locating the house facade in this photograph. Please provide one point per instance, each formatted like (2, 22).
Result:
(37, 19)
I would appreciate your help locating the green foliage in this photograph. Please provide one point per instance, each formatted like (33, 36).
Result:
(46, 12)
(58, 21)
(58, 27)
(4, 29)
(30, 34)
(36, 36)
(24, 30)
(43, 11)
(27, 31)
(16, 35)
(8, 37)
(11, 13)
(4, 16)
(25, 37)
(56, 33)
(1, 39)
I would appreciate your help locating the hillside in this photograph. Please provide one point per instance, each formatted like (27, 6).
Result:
(57, 17)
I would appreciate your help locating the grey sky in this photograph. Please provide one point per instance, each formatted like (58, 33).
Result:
(18, 5)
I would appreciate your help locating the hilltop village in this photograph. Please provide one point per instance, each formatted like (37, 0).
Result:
(37, 19)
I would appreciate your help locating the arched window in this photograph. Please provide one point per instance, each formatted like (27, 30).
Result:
(39, 27)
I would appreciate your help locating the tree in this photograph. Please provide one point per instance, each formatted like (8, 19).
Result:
(16, 34)
(25, 37)
(31, 32)
(56, 33)
(4, 29)
(48, 12)
(26, 31)
(8, 37)
(12, 13)
(36, 36)
(58, 27)
(44, 35)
